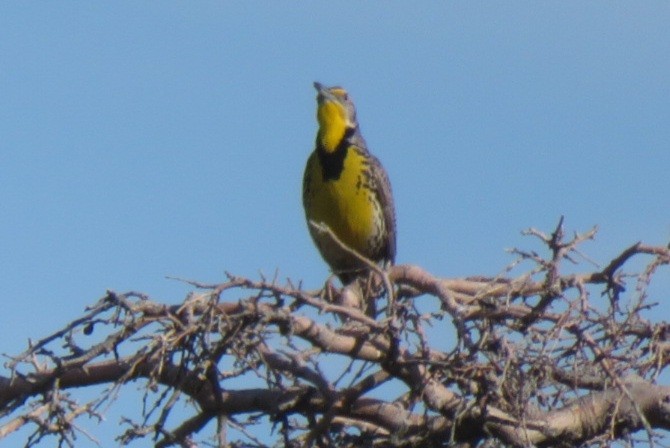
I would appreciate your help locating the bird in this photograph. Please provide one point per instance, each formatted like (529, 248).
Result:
(346, 192)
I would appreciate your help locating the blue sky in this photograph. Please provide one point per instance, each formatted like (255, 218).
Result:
(140, 140)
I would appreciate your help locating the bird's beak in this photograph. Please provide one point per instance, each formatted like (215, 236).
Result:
(323, 94)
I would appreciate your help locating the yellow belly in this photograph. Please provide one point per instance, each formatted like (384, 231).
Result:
(345, 206)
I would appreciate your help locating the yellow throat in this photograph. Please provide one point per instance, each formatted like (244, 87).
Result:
(333, 122)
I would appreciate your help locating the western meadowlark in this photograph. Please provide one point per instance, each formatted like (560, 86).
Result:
(346, 190)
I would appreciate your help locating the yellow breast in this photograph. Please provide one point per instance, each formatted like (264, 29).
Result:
(346, 205)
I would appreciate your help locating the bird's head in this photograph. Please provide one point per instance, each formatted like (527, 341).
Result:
(336, 115)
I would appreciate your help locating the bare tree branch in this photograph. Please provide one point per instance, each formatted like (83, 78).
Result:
(547, 358)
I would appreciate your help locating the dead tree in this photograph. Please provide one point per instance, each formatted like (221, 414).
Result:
(553, 356)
